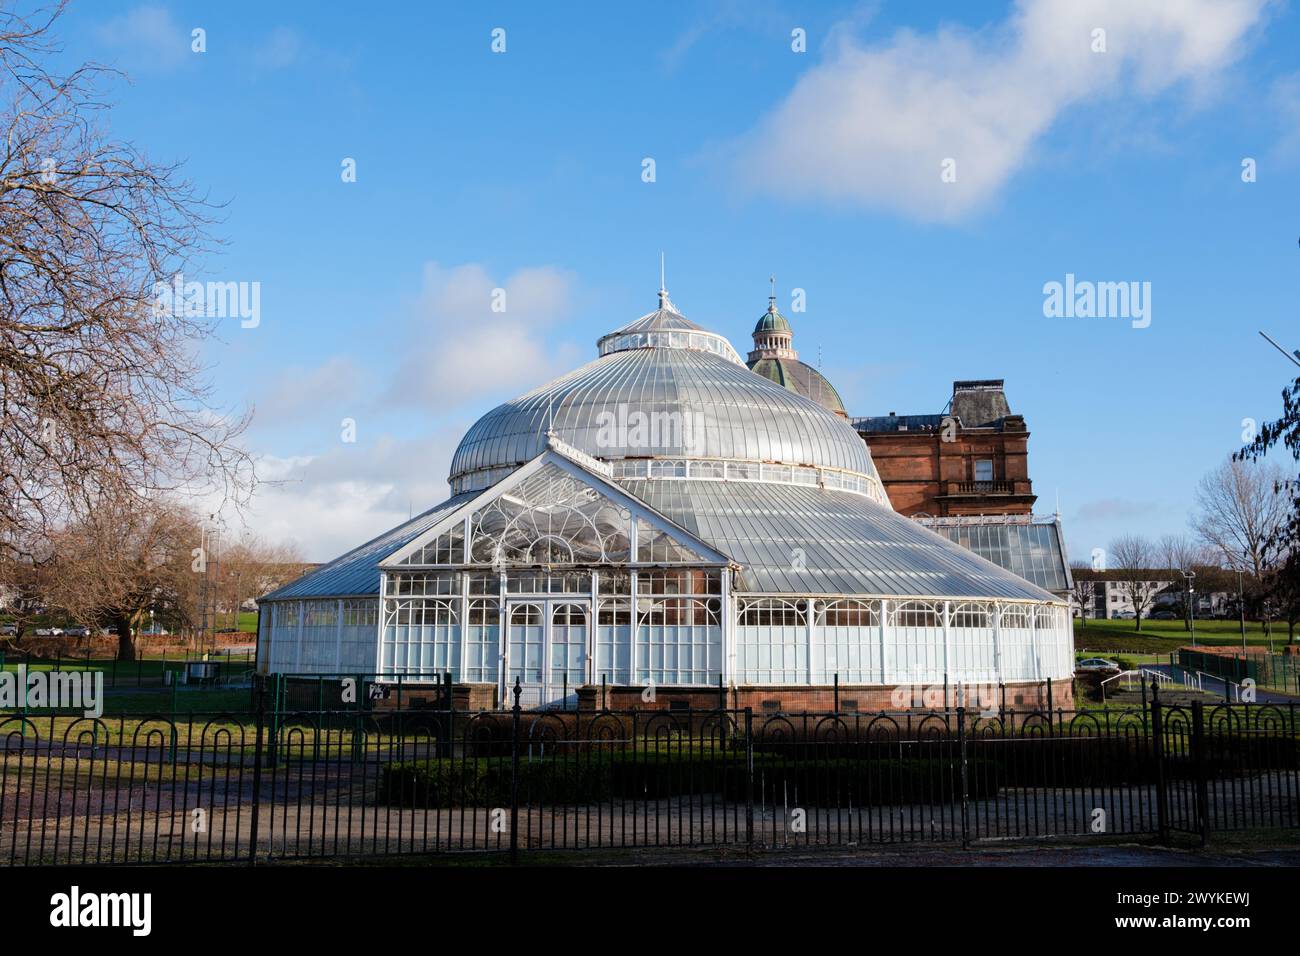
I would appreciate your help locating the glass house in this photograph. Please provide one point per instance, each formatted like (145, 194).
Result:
(670, 526)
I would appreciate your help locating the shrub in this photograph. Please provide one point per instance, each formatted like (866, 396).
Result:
(660, 774)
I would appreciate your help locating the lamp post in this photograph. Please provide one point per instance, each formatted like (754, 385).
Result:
(1241, 607)
(1190, 578)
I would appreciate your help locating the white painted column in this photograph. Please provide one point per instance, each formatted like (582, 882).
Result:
(634, 630)
(589, 652)
(297, 653)
(886, 657)
(459, 672)
(338, 635)
(503, 644)
(1032, 616)
(382, 616)
(810, 625)
(997, 643)
(947, 643)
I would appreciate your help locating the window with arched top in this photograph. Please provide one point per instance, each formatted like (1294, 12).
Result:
(772, 641)
(972, 642)
(421, 636)
(482, 641)
(550, 518)
(917, 639)
(679, 640)
(1016, 640)
(847, 642)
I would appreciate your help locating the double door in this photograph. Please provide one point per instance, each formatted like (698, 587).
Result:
(548, 647)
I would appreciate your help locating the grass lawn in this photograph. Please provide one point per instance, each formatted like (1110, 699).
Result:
(1161, 637)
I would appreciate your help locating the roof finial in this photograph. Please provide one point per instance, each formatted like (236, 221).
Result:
(771, 299)
(663, 288)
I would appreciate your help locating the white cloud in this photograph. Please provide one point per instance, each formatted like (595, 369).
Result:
(1286, 101)
(302, 392)
(333, 501)
(872, 125)
(459, 348)
(451, 351)
(146, 37)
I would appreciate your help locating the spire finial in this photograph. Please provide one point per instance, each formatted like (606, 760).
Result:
(663, 288)
(771, 299)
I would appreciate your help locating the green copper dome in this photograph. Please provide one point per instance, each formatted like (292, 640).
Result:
(802, 379)
(775, 359)
(772, 321)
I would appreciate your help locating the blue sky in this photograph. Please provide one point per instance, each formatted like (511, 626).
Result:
(523, 170)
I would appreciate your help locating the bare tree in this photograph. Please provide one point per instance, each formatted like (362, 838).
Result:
(249, 568)
(23, 578)
(102, 396)
(1133, 558)
(1084, 592)
(1240, 511)
(124, 561)
(1186, 558)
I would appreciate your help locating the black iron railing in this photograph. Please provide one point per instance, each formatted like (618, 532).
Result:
(269, 784)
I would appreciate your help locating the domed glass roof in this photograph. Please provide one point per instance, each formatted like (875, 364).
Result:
(665, 327)
(663, 388)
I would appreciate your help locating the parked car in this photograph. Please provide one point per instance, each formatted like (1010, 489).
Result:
(1096, 664)
(1164, 616)
(77, 631)
(1122, 616)
(8, 630)
(49, 632)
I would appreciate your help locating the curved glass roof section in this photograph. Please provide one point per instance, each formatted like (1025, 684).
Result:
(848, 545)
(666, 328)
(662, 402)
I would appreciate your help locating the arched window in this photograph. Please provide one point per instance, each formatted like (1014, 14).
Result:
(772, 641)
(916, 633)
(679, 640)
(847, 642)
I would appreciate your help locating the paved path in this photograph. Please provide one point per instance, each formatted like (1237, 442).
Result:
(341, 821)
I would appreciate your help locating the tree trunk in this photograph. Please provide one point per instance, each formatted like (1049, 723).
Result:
(125, 638)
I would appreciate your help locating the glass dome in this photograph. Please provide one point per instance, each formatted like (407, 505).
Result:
(656, 394)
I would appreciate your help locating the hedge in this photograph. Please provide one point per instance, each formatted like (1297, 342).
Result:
(659, 775)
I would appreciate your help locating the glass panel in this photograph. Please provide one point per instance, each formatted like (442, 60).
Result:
(551, 518)
(568, 646)
(655, 545)
(526, 632)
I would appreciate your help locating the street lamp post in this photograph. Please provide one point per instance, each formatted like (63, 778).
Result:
(1190, 578)
(1241, 608)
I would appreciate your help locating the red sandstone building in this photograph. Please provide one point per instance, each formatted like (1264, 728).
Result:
(970, 459)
